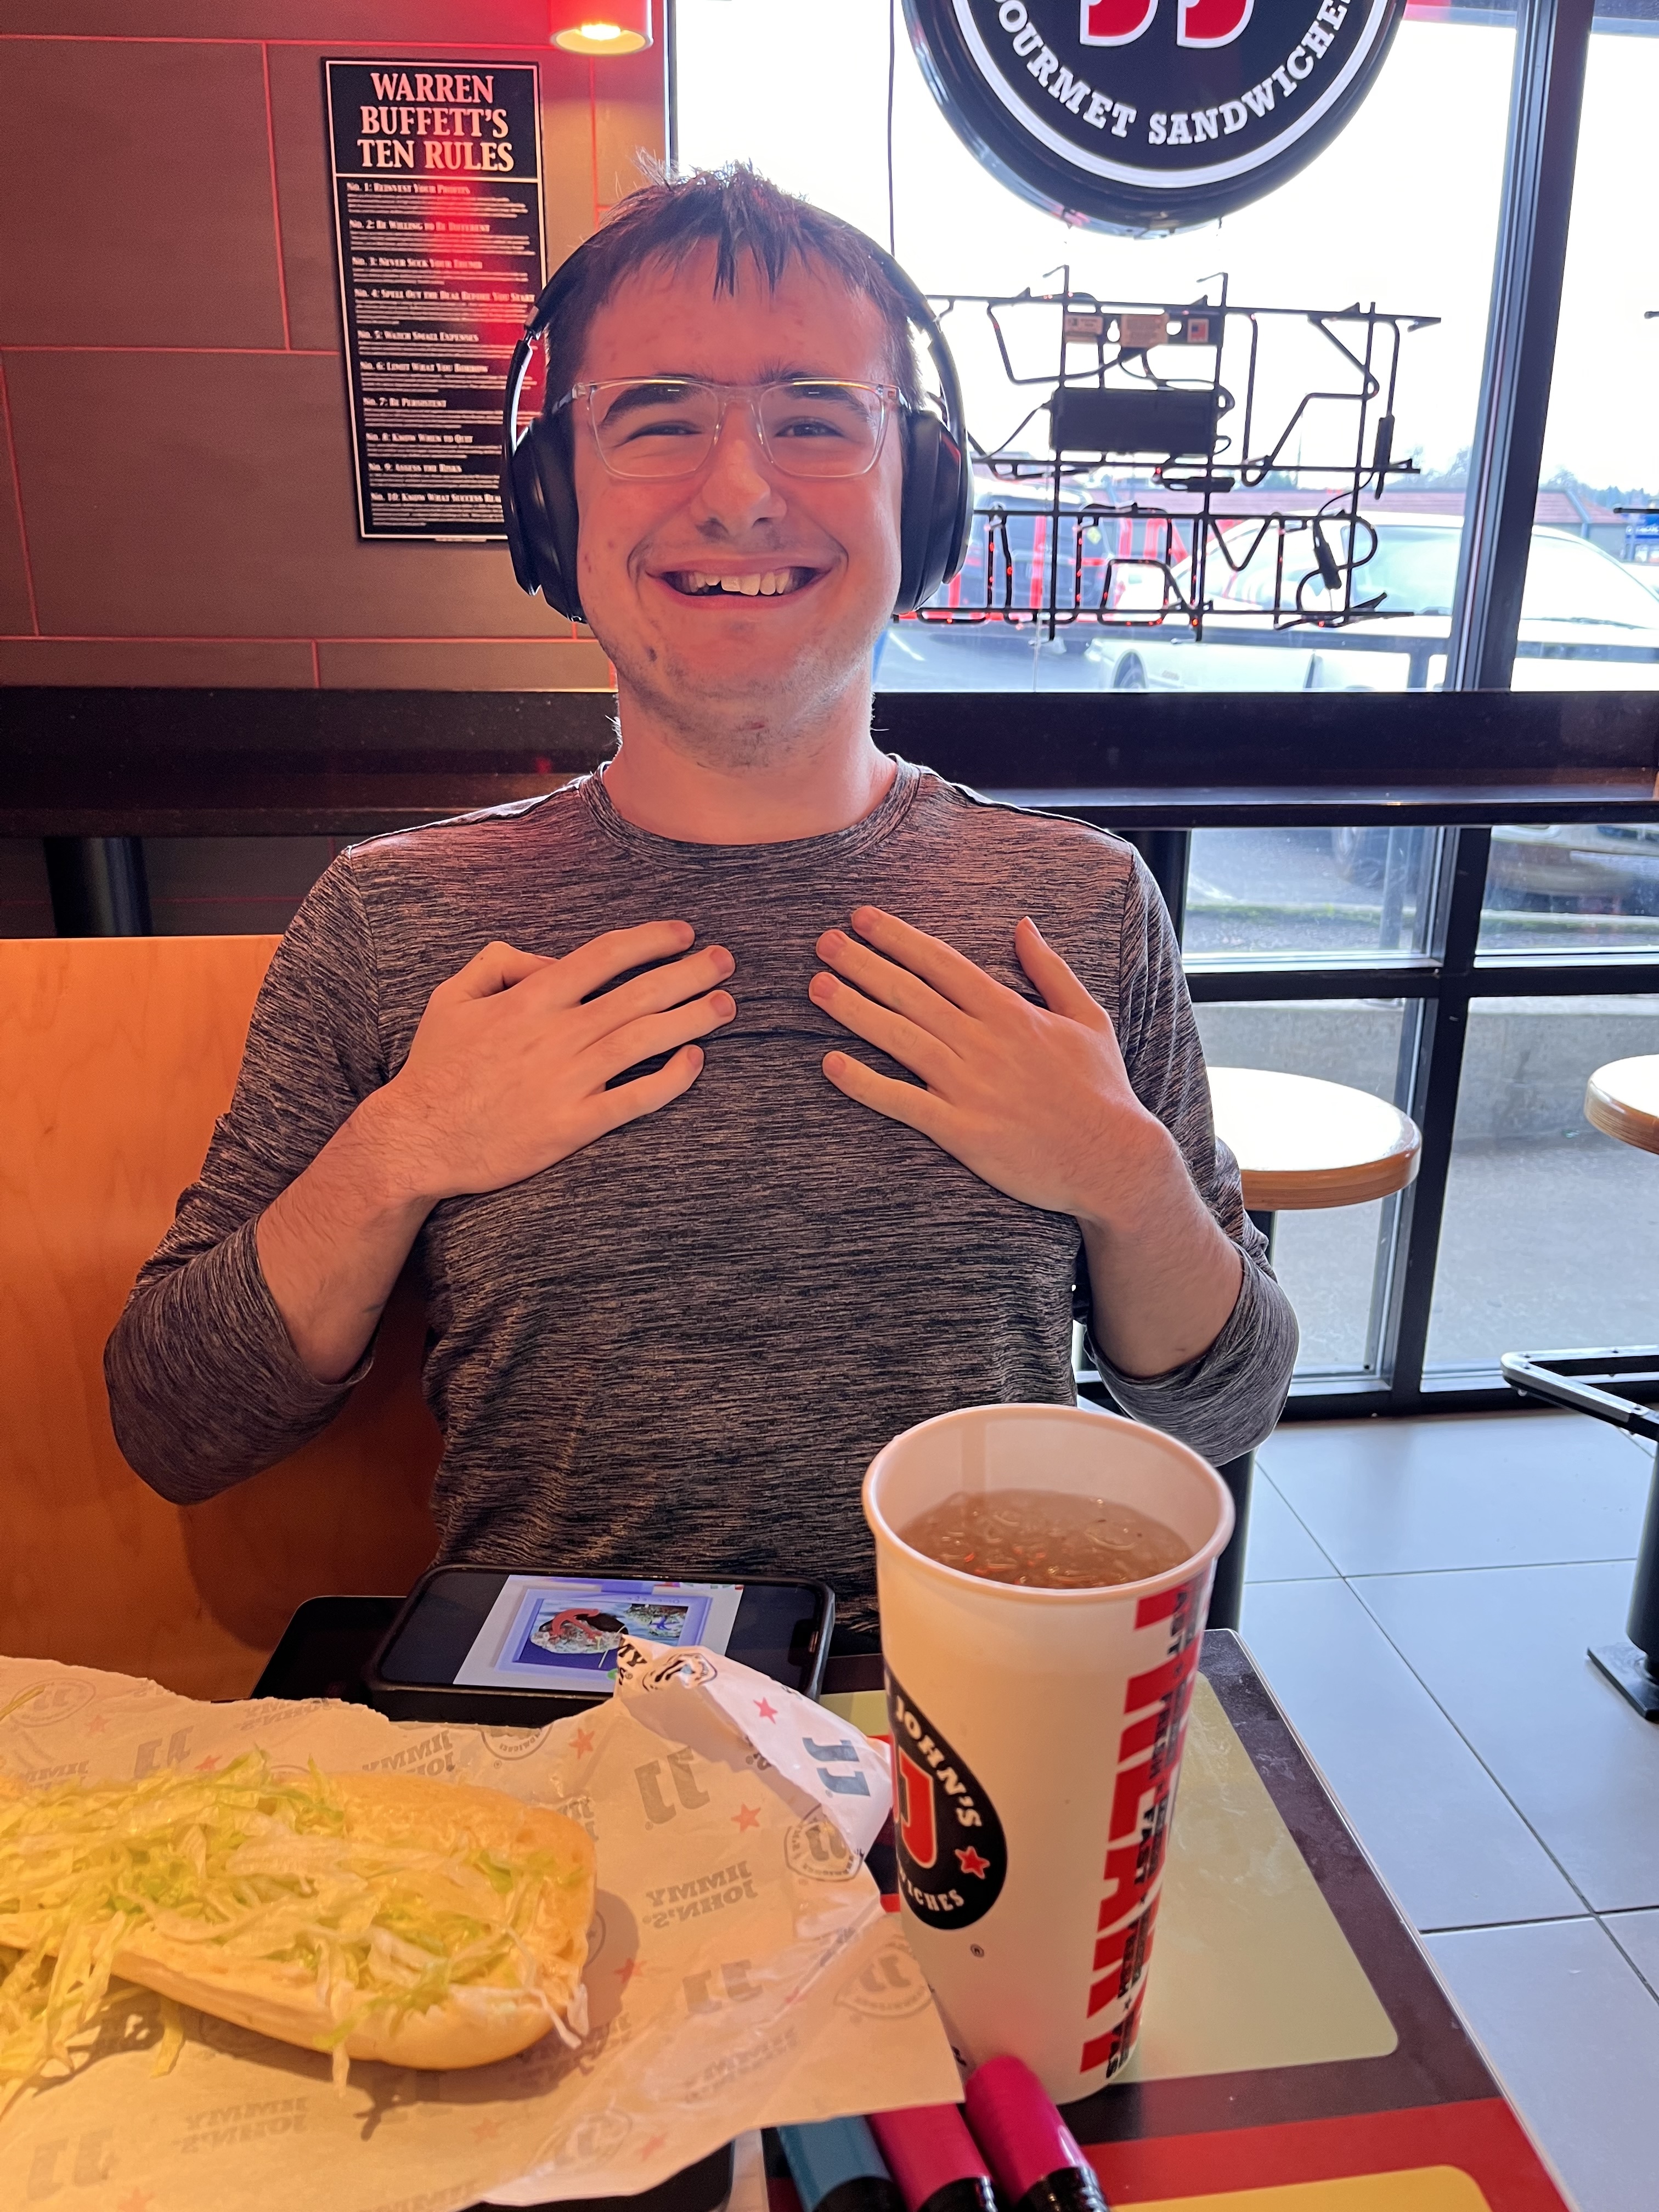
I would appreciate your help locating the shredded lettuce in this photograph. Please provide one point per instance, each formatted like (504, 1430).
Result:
(257, 1867)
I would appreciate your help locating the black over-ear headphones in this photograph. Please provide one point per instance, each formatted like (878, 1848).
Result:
(539, 495)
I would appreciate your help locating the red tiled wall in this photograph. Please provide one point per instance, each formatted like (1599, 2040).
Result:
(176, 501)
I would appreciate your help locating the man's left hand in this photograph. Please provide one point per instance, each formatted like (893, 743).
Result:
(1036, 1100)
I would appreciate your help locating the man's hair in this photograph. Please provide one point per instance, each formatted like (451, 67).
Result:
(742, 216)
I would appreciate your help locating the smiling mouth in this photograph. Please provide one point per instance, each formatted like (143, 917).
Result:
(766, 584)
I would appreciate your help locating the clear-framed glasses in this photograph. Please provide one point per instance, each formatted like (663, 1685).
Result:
(666, 426)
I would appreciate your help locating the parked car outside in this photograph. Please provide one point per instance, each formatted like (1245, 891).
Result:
(1587, 623)
(989, 653)
(1575, 867)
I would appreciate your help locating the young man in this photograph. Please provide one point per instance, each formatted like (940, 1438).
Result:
(747, 1102)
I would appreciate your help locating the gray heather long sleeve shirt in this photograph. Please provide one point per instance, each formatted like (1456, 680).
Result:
(677, 1351)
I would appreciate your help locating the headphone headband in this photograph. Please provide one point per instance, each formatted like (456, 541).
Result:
(538, 493)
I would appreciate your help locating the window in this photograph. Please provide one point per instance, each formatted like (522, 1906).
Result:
(1589, 618)
(1571, 887)
(1328, 1260)
(1367, 219)
(1289, 893)
(1549, 1228)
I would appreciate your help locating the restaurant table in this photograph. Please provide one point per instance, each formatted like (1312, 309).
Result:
(1622, 1100)
(1297, 2052)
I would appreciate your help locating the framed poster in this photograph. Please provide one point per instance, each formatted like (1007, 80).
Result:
(437, 173)
(1144, 116)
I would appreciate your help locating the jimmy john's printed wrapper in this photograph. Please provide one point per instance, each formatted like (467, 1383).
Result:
(1037, 1736)
(741, 1969)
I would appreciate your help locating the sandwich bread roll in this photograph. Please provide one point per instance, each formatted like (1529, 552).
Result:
(473, 2026)
(424, 1923)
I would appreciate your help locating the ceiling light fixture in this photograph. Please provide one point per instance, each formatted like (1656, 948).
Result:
(599, 26)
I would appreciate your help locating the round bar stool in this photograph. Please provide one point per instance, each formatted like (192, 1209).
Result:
(1302, 1144)
(1622, 1101)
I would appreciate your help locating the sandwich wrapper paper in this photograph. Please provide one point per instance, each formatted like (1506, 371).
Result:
(741, 1972)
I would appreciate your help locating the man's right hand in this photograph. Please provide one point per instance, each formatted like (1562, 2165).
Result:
(507, 1074)
(508, 1069)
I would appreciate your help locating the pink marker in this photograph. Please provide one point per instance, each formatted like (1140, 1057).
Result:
(1033, 2153)
(935, 2162)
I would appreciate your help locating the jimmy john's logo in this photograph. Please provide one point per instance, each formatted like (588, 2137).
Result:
(948, 1839)
(513, 1742)
(890, 1987)
(646, 1666)
(817, 1849)
(1145, 115)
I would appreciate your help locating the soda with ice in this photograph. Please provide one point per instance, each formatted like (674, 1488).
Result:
(1045, 1538)
(1038, 1710)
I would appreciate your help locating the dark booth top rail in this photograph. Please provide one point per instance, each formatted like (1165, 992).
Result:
(100, 763)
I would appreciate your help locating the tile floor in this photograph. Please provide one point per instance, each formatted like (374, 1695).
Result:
(1419, 1594)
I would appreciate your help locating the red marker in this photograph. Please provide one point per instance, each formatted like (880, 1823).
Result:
(1033, 2153)
(933, 2158)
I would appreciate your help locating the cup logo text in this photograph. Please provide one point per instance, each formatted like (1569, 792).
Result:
(952, 1860)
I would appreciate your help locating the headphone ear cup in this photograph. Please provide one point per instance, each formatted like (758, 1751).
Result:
(513, 507)
(936, 512)
(953, 512)
(538, 499)
(921, 443)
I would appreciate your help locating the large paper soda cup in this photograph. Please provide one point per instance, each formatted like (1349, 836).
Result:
(1037, 1736)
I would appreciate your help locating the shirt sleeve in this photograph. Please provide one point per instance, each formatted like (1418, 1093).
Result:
(205, 1386)
(1225, 1401)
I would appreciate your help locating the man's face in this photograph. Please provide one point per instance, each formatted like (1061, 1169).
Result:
(736, 666)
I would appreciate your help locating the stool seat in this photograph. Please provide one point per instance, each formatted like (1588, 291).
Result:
(1302, 1143)
(1622, 1101)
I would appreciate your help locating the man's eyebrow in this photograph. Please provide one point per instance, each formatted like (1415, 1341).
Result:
(782, 373)
(771, 373)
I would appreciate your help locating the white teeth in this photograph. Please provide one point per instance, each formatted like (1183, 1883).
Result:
(773, 583)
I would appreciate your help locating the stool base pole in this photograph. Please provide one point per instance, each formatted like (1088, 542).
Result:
(1573, 1378)
(1642, 1625)
(1631, 1666)
(1626, 1668)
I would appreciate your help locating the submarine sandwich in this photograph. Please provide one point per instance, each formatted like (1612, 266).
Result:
(425, 1922)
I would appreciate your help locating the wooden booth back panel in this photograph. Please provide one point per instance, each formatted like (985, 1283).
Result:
(116, 1055)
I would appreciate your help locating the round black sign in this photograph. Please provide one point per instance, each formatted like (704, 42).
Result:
(1148, 115)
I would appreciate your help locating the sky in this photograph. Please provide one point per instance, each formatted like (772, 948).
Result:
(1401, 209)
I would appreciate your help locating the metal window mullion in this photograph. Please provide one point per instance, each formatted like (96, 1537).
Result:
(1434, 1108)
(1168, 854)
(1607, 974)
(1393, 1228)
(1223, 986)
(1437, 866)
(1546, 91)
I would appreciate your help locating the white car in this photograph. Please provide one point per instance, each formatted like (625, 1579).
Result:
(1573, 867)
(1587, 623)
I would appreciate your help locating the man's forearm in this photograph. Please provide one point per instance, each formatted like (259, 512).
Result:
(331, 1246)
(1163, 1275)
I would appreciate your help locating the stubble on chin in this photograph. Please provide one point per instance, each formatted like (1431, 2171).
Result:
(741, 721)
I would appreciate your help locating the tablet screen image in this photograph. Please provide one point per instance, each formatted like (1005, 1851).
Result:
(560, 1633)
